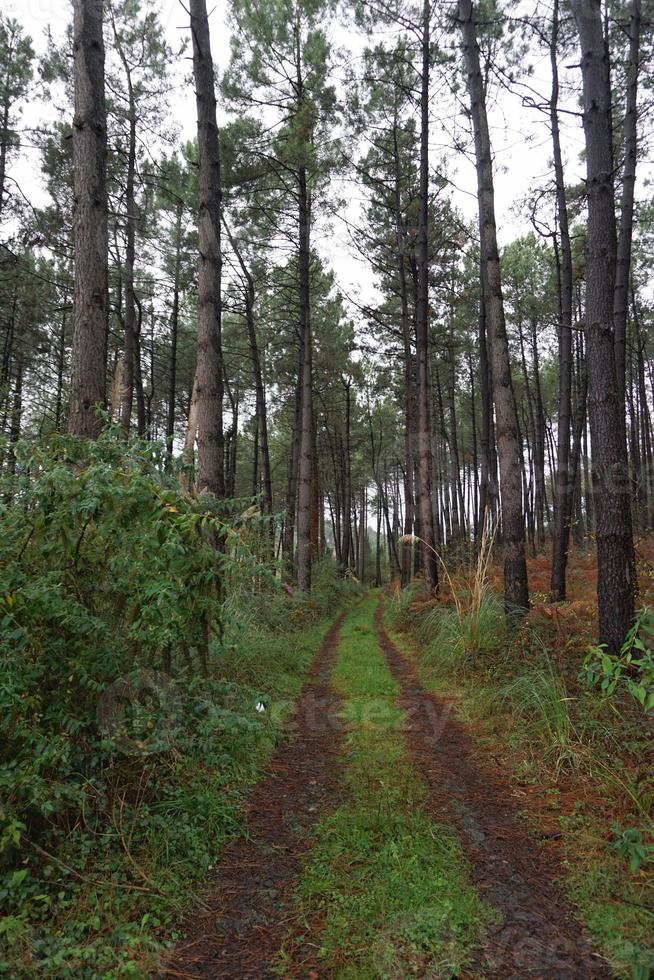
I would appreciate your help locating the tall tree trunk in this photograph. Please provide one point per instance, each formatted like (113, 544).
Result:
(61, 366)
(7, 352)
(473, 485)
(579, 429)
(261, 409)
(508, 441)
(393, 558)
(130, 345)
(363, 535)
(208, 387)
(563, 485)
(259, 389)
(623, 255)
(378, 573)
(485, 434)
(139, 387)
(347, 481)
(90, 300)
(540, 499)
(646, 428)
(174, 332)
(429, 566)
(293, 462)
(615, 551)
(305, 467)
(316, 492)
(231, 442)
(409, 502)
(16, 415)
(4, 147)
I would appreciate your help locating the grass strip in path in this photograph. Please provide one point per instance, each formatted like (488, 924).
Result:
(239, 931)
(539, 935)
(385, 891)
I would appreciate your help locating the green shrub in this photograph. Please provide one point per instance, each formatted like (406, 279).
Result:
(131, 699)
(632, 669)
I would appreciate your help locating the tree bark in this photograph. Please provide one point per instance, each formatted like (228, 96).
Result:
(615, 551)
(623, 256)
(90, 300)
(305, 467)
(174, 332)
(293, 462)
(208, 388)
(563, 485)
(485, 433)
(428, 547)
(130, 345)
(540, 499)
(409, 503)
(346, 548)
(508, 441)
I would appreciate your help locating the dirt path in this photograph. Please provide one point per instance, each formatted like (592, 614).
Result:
(240, 932)
(538, 935)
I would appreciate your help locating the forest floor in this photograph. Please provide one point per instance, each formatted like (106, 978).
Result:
(384, 841)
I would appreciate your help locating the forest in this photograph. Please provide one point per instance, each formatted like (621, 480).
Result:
(326, 489)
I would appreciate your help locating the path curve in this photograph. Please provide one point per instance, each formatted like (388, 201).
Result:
(539, 935)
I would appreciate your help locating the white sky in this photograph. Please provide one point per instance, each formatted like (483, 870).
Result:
(520, 137)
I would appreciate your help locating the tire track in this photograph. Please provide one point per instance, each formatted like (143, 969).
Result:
(246, 915)
(538, 935)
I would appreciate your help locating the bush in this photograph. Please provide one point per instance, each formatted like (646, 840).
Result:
(632, 669)
(131, 699)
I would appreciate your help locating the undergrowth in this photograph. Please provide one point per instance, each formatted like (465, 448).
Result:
(387, 884)
(589, 757)
(146, 677)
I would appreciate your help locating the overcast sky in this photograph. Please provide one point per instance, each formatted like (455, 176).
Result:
(520, 137)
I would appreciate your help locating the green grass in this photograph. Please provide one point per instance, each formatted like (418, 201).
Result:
(615, 906)
(388, 885)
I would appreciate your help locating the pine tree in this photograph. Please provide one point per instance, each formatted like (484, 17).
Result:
(88, 357)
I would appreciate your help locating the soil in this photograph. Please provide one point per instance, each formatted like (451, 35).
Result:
(538, 934)
(245, 917)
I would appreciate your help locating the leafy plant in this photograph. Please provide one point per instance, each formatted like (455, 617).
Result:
(631, 669)
(129, 727)
(629, 844)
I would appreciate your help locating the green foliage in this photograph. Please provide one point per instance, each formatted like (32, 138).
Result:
(131, 717)
(632, 669)
(402, 607)
(616, 906)
(16, 57)
(630, 845)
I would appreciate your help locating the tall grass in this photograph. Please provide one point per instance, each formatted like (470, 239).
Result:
(539, 698)
(460, 635)
(475, 624)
